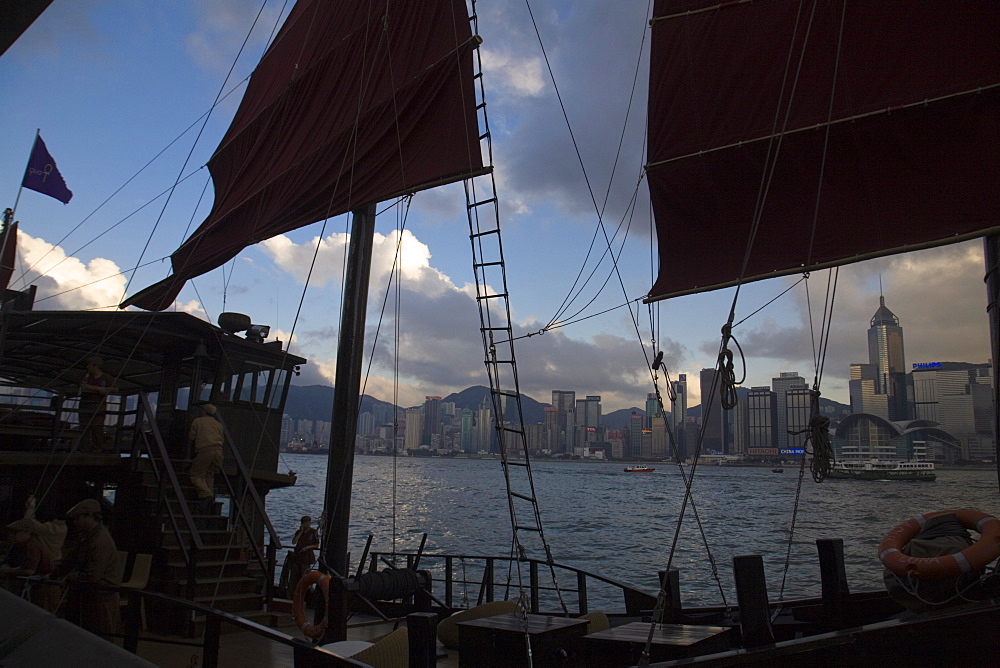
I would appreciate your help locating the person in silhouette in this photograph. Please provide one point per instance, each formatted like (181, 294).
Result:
(207, 435)
(95, 386)
(305, 540)
(93, 561)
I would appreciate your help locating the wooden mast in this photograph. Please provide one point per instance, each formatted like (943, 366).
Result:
(991, 255)
(347, 391)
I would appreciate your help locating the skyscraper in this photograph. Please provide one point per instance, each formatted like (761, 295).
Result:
(885, 353)
(713, 419)
(785, 382)
(564, 402)
(678, 415)
(432, 418)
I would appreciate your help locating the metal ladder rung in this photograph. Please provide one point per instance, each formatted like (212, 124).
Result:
(489, 200)
(494, 296)
(486, 264)
(476, 235)
(527, 528)
(516, 462)
(523, 496)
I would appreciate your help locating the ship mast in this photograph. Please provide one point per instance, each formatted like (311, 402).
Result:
(347, 391)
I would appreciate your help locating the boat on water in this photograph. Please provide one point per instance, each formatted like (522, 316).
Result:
(876, 469)
(638, 468)
(712, 142)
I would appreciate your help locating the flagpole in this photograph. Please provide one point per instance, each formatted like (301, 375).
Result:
(27, 166)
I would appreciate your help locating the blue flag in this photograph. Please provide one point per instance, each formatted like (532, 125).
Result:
(43, 176)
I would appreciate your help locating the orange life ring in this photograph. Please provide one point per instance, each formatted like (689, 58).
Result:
(314, 631)
(972, 558)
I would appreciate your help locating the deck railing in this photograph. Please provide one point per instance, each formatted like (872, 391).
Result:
(477, 579)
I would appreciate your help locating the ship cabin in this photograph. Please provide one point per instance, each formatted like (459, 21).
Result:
(164, 365)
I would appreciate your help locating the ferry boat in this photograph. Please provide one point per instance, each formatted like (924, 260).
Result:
(876, 469)
(638, 468)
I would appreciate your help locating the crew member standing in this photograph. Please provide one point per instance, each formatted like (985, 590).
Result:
(95, 386)
(93, 561)
(207, 435)
(305, 540)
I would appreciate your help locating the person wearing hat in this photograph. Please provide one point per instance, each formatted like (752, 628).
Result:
(28, 557)
(305, 540)
(95, 386)
(92, 561)
(50, 530)
(207, 435)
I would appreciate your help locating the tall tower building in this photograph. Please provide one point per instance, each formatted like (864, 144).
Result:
(468, 431)
(413, 435)
(785, 382)
(714, 424)
(762, 412)
(432, 419)
(678, 415)
(564, 401)
(885, 353)
(484, 426)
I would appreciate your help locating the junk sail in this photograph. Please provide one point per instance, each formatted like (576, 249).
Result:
(346, 108)
(876, 132)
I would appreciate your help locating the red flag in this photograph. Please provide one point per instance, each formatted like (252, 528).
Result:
(8, 254)
(43, 176)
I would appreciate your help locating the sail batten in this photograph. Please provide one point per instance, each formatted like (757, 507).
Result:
(347, 108)
(889, 143)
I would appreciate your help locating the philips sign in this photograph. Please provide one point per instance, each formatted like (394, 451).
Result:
(927, 365)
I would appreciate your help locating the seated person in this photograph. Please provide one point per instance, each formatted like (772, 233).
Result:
(28, 557)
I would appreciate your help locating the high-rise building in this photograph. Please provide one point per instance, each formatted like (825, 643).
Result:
(798, 412)
(678, 415)
(784, 383)
(564, 401)
(959, 396)
(636, 420)
(652, 409)
(762, 416)
(484, 426)
(714, 422)
(865, 397)
(432, 419)
(550, 433)
(413, 437)
(468, 431)
(885, 353)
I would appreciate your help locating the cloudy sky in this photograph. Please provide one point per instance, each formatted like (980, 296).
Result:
(121, 89)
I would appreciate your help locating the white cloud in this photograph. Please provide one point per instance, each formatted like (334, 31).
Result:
(66, 282)
(512, 73)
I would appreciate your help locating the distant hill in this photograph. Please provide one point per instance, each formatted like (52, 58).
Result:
(472, 397)
(620, 419)
(315, 402)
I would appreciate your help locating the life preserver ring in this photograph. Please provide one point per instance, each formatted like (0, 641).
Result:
(972, 558)
(314, 631)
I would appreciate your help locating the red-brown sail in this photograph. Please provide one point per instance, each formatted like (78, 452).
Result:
(354, 103)
(849, 130)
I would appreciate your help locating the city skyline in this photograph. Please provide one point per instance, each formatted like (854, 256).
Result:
(111, 84)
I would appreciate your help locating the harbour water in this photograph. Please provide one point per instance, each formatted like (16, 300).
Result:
(621, 525)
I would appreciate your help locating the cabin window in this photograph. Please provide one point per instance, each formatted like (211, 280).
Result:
(253, 384)
(278, 387)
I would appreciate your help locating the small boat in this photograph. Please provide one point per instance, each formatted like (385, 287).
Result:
(638, 468)
(777, 470)
(883, 469)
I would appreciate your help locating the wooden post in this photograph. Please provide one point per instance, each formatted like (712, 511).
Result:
(670, 583)
(422, 633)
(751, 594)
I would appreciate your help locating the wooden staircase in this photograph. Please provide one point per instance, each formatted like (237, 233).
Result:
(225, 577)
